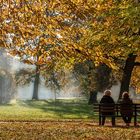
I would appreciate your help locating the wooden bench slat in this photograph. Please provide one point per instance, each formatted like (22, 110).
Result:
(103, 108)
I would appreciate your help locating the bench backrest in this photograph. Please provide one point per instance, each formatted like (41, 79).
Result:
(100, 108)
(104, 108)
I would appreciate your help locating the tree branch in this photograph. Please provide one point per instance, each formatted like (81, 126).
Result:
(137, 64)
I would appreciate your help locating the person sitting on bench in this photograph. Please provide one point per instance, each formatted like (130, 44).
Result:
(126, 108)
(107, 101)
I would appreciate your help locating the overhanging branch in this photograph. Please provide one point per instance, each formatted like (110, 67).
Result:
(137, 64)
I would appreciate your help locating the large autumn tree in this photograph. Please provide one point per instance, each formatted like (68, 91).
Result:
(116, 32)
(40, 33)
(64, 32)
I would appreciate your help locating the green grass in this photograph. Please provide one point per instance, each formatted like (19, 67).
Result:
(44, 110)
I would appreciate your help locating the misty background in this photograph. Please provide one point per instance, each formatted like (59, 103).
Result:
(10, 91)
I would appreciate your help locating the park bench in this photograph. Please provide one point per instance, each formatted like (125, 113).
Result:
(100, 108)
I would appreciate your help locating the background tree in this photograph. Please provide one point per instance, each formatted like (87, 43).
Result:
(7, 78)
(94, 79)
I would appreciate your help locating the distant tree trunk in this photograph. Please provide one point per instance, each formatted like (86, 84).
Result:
(129, 65)
(92, 97)
(36, 84)
(92, 87)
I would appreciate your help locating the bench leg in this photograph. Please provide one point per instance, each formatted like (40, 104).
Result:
(100, 120)
(113, 121)
(135, 120)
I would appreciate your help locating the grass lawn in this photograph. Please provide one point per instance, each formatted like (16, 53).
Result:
(60, 120)
(44, 110)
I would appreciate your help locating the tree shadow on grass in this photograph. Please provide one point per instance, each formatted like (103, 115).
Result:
(62, 108)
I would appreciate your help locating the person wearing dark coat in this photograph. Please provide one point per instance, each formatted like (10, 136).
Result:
(107, 101)
(126, 108)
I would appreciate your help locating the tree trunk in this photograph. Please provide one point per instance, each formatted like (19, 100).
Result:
(129, 65)
(36, 84)
(92, 97)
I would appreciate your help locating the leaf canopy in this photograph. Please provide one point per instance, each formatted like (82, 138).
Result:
(66, 32)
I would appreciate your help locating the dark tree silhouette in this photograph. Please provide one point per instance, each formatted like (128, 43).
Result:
(127, 71)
